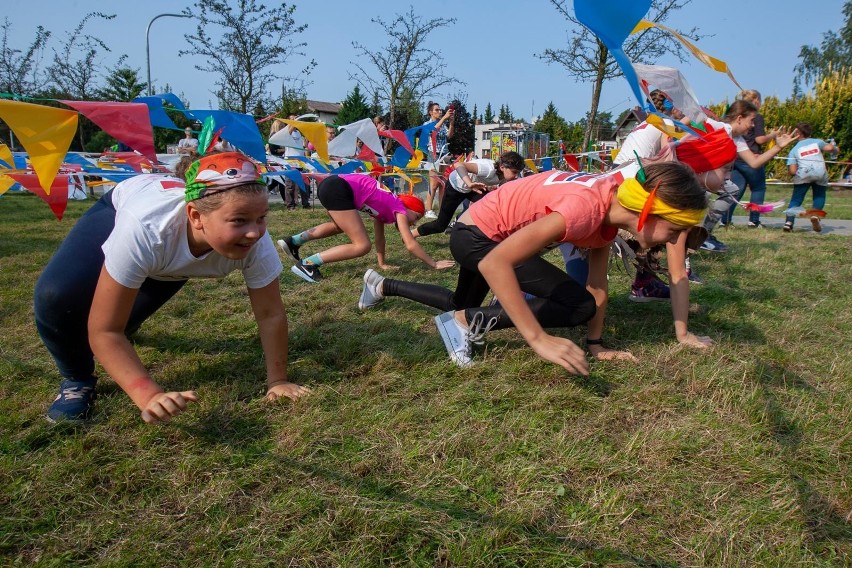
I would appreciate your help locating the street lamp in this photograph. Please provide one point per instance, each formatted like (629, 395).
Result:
(148, 45)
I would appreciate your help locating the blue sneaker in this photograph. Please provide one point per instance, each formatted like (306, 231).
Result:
(74, 401)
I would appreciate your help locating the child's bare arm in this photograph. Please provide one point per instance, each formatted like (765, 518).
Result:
(271, 320)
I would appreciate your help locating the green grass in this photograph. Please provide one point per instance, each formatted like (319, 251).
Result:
(736, 456)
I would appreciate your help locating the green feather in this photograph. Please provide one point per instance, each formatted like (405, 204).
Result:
(206, 135)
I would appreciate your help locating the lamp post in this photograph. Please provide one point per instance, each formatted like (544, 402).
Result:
(148, 45)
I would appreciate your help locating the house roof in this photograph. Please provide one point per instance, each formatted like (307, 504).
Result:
(322, 106)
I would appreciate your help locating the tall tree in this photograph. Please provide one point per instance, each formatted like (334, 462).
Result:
(505, 114)
(464, 131)
(475, 115)
(19, 68)
(122, 84)
(488, 117)
(404, 63)
(76, 65)
(354, 107)
(587, 59)
(254, 39)
(833, 54)
(554, 125)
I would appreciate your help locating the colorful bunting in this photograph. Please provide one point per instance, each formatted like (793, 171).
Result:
(708, 60)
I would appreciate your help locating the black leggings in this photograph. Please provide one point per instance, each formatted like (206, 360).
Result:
(559, 300)
(451, 201)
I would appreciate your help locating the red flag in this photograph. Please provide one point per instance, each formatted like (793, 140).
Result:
(129, 123)
(572, 162)
(58, 198)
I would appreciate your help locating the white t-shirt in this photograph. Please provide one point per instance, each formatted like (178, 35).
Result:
(290, 152)
(645, 140)
(150, 239)
(485, 173)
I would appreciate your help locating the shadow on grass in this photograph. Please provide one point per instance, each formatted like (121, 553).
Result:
(530, 532)
(825, 523)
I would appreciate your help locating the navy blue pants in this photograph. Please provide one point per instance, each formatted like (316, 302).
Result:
(64, 293)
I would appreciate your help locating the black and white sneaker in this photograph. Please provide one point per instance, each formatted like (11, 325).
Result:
(291, 250)
(307, 272)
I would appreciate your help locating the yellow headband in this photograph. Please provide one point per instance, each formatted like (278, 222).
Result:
(632, 196)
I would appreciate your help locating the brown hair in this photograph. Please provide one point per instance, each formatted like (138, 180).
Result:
(739, 108)
(805, 129)
(511, 160)
(677, 185)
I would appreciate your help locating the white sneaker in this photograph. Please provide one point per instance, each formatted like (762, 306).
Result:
(458, 339)
(430, 215)
(372, 292)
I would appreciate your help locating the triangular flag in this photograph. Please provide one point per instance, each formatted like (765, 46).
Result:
(45, 133)
(128, 123)
(6, 158)
(399, 136)
(56, 198)
(314, 132)
(708, 60)
(612, 21)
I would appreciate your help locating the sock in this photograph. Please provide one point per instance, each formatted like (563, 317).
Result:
(313, 259)
(300, 239)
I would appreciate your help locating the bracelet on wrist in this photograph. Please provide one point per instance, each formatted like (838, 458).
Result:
(598, 341)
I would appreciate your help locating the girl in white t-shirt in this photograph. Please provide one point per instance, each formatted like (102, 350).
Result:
(131, 252)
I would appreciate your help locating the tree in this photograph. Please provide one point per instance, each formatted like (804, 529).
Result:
(464, 131)
(122, 84)
(354, 107)
(254, 40)
(488, 117)
(475, 115)
(587, 59)
(19, 69)
(505, 114)
(404, 63)
(835, 53)
(75, 66)
(293, 101)
(554, 125)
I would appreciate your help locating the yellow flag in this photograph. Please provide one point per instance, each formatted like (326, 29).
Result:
(666, 127)
(708, 60)
(531, 165)
(6, 156)
(5, 183)
(45, 133)
(314, 132)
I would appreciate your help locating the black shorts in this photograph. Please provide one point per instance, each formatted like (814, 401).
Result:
(335, 194)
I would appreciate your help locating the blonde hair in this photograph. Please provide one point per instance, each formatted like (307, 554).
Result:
(750, 95)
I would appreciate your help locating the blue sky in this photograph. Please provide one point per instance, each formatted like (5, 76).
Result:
(491, 47)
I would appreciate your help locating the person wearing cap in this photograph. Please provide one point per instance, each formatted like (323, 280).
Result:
(345, 197)
(497, 242)
(135, 249)
(188, 144)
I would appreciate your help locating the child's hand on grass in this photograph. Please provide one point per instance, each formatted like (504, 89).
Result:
(444, 264)
(563, 352)
(165, 405)
(697, 341)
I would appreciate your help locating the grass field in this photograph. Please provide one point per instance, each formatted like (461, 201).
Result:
(735, 456)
